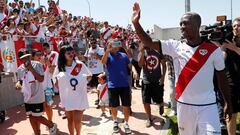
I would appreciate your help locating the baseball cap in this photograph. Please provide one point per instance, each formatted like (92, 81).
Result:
(102, 76)
(22, 53)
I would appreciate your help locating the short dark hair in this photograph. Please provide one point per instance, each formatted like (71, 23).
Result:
(195, 17)
(46, 44)
(35, 51)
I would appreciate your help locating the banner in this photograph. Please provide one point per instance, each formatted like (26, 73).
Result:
(38, 46)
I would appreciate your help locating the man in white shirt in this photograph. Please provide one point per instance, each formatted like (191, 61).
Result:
(106, 32)
(194, 61)
(93, 56)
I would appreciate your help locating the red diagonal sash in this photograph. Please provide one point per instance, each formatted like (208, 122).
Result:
(198, 59)
(76, 70)
(35, 33)
(4, 20)
(103, 91)
(105, 32)
(51, 58)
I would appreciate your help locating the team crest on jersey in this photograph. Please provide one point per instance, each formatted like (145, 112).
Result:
(152, 62)
(73, 83)
(203, 51)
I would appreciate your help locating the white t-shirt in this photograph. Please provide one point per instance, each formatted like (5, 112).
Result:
(94, 64)
(28, 79)
(107, 32)
(37, 93)
(200, 89)
(47, 83)
(2, 17)
(73, 89)
(105, 98)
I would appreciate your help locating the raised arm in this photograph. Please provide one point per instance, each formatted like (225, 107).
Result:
(105, 56)
(144, 37)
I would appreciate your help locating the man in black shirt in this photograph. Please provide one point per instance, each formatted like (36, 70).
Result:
(153, 80)
(232, 61)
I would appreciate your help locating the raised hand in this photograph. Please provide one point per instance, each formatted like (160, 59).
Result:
(136, 13)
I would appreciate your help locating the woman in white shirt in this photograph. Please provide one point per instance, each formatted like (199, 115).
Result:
(72, 79)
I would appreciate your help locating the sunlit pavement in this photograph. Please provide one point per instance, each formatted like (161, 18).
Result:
(93, 124)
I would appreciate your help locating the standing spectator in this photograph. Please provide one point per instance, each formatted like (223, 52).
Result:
(30, 77)
(72, 83)
(134, 47)
(50, 63)
(106, 32)
(102, 89)
(171, 81)
(3, 16)
(194, 63)
(93, 56)
(117, 67)
(232, 61)
(153, 80)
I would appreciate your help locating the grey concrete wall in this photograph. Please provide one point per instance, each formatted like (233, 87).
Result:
(166, 33)
(9, 97)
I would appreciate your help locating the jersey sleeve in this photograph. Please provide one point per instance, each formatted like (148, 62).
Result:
(85, 70)
(218, 61)
(169, 47)
(39, 69)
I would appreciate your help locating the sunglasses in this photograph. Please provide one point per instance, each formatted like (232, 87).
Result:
(70, 53)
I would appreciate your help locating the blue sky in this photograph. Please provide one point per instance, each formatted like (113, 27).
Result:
(165, 13)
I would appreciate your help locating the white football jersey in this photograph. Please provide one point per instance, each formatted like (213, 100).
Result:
(73, 89)
(200, 90)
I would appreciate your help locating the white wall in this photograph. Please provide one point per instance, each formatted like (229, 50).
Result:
(166, 33)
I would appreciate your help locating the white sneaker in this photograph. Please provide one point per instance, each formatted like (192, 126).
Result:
(53, 130)
(172, 113)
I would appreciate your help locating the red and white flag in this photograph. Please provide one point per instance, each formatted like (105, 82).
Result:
(9, 54)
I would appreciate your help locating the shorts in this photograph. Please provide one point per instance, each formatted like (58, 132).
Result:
(235, 98)
(152, 91)
(94, 81)
(34, 109)
(122, 93)
(198, 120)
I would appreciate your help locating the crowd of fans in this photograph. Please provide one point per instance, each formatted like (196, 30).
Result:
(43, 22)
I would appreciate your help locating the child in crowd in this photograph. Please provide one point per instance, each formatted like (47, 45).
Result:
(102, 89)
